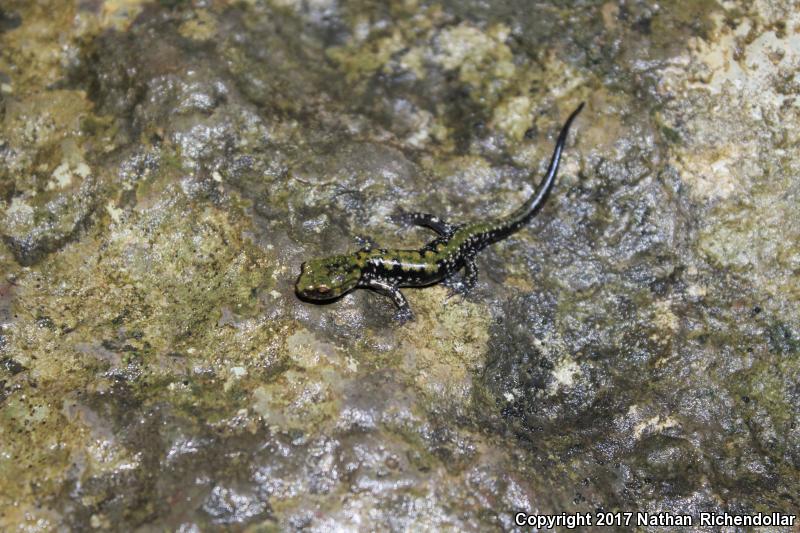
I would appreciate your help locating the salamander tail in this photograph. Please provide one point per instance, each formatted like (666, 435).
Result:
(535, 202)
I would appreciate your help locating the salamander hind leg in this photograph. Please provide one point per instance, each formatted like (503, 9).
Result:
(470, 275)
(462, 285)
(365, 242)
(425, 220)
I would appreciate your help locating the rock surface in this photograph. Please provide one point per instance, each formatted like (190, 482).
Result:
(166, 166)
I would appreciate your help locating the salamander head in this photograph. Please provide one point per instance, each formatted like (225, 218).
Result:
(327, 278)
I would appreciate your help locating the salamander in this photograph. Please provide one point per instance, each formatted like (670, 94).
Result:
(455, 248)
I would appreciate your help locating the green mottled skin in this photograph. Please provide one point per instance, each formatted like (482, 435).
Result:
(386, 271)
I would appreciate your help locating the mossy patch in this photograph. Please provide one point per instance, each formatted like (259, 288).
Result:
(443, 349)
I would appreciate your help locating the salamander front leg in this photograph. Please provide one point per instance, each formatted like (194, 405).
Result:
(403, 313)
(426, 221)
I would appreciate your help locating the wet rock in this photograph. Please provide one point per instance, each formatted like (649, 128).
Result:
(32, 231)
(51, 190)
(165, 167)
(226, 506)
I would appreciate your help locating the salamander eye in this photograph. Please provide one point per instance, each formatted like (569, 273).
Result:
(322, 289)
